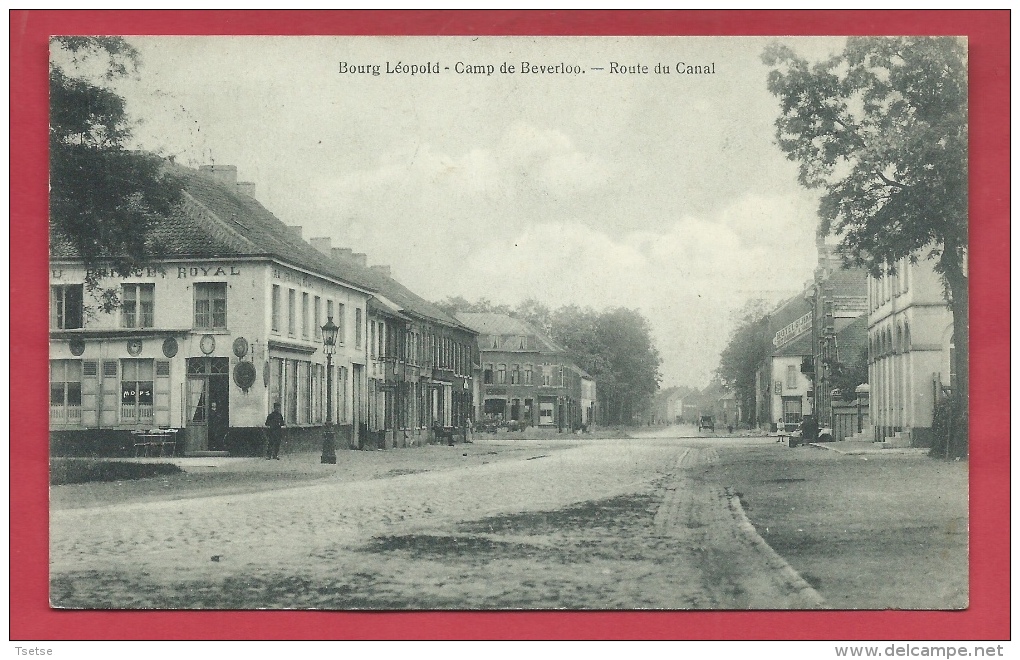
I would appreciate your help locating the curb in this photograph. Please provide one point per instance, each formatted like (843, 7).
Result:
(917, 451)
(810, 599)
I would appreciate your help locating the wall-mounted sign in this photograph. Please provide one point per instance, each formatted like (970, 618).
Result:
(169, 347)
(240, 347)
(849, 306)
(77, 346)
(207, 344)
(244, 375)
(134, 347)
(792, 331)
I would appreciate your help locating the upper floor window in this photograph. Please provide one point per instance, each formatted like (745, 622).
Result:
(495, 341)
(791, 377)
(66, 310)
(211, 305)
(515, 375)
(527, 374)
(487, 374)
(358, 331)
(317, 322)
(371, 338)
(291, 312)
(501, 375)
(341, 316)
(276, 308)
(304, 315)
(137, 307)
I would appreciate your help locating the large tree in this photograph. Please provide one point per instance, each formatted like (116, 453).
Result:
(745, 353)
(104, 197)
(881, 130)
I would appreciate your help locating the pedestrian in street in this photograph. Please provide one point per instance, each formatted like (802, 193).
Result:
(275, 424)
(809, 428)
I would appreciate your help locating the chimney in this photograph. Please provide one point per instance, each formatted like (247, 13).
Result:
(223, 173)
(342, 254)
(382, 270)
(360, 258)
(246, 188)
(322, 244)
(296, 231)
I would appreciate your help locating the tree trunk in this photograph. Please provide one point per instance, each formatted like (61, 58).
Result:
(959, 303)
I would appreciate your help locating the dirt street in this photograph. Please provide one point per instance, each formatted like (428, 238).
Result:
(498, 524)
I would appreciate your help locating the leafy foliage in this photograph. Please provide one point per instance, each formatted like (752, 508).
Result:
(747, 348)
(614, 346)
(881, 130)
(103, 197)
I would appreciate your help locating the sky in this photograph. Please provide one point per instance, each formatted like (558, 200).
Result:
(661, 192)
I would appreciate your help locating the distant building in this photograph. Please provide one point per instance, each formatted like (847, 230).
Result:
(839, 298)
(784, 392)
(910, 334)
(528, 378)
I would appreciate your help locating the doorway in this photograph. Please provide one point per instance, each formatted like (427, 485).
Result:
(208, 404)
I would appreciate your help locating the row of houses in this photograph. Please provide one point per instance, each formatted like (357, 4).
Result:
(896, 329)
(227, 322)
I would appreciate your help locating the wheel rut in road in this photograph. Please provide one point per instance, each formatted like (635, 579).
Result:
(706, 524)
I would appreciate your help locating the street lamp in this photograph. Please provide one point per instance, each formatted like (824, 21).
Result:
(329, 347)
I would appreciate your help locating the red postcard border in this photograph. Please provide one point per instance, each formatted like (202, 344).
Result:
(988, 615)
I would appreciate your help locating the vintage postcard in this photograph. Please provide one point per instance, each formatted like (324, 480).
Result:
(508, 323)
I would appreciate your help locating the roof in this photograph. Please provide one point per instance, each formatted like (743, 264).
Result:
(216, 221)
(491, 323)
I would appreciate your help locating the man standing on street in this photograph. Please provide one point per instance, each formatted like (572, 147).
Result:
(275, 423)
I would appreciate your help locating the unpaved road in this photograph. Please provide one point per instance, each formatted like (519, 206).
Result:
(593, 524)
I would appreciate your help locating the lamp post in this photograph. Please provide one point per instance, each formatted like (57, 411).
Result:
(329, 347)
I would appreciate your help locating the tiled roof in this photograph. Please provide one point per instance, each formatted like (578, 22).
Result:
(216, 221)
(489, 323)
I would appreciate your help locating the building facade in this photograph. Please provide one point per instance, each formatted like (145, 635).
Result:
(910, 339)
(526, 378)
(222, 326)
(784, 393)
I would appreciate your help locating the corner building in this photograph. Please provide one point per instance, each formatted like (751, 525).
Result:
(223, 324)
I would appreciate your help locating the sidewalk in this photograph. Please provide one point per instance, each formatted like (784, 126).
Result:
(880, 529)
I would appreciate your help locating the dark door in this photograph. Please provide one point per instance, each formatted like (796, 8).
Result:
(219, 410)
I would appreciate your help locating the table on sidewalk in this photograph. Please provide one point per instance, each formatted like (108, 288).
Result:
(158, 442)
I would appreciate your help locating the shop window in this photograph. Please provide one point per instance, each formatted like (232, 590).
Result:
(65, 391)
(66, 307)
(291, 390)
(305, 375)
(211, 305)
(276, 382)
(276, 308)
(136, 391)
(137, 306)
